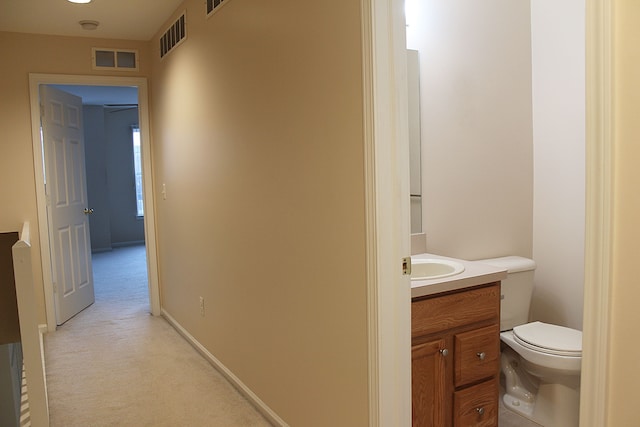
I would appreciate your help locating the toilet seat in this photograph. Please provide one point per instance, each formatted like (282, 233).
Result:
(549, 339)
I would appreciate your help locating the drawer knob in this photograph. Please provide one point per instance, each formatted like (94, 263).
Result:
(480, 411)
(481, 355)
(444, 352)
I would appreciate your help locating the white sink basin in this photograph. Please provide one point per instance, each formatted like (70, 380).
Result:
(432, 268)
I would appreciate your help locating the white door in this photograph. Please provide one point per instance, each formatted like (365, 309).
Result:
(67, 207)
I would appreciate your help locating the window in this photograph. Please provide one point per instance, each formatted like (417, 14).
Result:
(114, 59)
(137, 168)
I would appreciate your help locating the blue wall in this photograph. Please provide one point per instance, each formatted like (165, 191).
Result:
(110, 177)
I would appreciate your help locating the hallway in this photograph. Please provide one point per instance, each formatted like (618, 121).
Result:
(114, 364)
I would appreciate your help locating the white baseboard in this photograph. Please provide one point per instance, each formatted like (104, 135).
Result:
(235, 381)
(115, 245)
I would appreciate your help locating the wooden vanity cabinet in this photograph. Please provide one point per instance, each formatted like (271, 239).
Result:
(455, 357)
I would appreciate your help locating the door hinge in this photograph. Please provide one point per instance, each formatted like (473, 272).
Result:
(406, 266)
(42, 111)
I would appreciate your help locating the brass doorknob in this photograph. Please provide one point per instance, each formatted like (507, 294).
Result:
(88, 211)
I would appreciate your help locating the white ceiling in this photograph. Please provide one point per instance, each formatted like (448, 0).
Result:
(119, 19)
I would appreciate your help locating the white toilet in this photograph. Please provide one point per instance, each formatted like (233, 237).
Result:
(540, 363)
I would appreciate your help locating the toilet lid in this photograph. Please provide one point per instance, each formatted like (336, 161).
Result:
(552, 339)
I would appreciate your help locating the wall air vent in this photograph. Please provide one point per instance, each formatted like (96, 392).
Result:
(214, 5)
(114, 59)
(174, 35)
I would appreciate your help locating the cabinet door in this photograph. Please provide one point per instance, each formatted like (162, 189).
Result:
(428, 387)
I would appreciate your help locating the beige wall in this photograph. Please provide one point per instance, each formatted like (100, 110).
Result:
(475, 66)
(258, 139)
(624, 350)
(23, 54)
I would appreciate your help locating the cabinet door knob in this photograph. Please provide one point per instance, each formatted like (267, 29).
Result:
(444, 352)
(481, 355)
(480, 411)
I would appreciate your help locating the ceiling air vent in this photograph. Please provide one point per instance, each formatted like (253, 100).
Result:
(213, 5)
(114, 59)
(174, 35)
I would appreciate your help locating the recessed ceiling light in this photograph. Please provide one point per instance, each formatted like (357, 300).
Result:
(79, 1)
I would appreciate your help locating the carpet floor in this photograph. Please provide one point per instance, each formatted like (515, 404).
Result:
(114, 364)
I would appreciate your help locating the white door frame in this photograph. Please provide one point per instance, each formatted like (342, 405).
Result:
(599, 219)
(35, 80)
(387, 210)
(389, 356)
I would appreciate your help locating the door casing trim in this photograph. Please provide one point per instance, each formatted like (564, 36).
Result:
(600, 143)
(386, 148)
(35, 80)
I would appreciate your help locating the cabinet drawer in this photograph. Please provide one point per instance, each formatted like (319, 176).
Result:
(477, 354)
(477, 406)
(440, 313)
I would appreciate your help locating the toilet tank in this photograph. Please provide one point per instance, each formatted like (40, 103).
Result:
(516, 289)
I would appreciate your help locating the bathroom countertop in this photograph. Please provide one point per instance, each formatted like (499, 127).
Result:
(474, 274)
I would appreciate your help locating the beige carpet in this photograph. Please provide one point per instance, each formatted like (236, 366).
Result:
(115, 365)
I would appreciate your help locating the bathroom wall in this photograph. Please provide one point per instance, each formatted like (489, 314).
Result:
(558, 60)
(258, 141)
(475, 66)
(503, 138)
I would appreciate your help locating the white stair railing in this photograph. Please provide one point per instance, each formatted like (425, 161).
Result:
(32, 348)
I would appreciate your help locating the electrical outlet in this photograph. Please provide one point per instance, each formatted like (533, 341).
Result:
(202, 306)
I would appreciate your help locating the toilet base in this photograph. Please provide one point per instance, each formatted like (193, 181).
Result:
(518, 406)
(554, 406)
(550, 404)
(557, 405)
